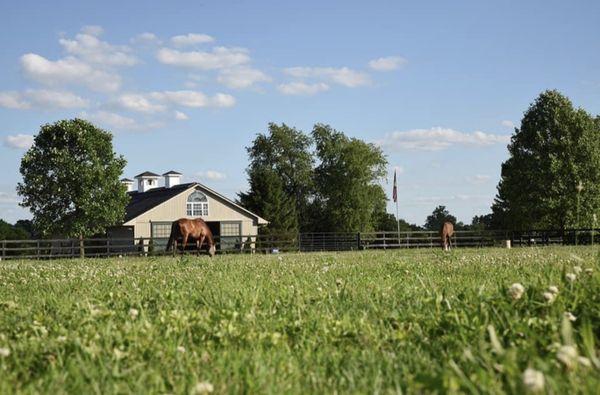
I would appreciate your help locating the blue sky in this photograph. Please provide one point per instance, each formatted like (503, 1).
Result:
(187, 85)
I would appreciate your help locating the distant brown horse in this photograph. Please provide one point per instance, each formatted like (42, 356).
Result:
(195, 228)
(446, 234)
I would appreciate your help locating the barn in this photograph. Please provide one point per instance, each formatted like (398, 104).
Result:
(155, 205)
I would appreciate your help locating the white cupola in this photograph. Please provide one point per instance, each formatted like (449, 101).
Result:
(147, 181)
(128, 184)
(172, 178)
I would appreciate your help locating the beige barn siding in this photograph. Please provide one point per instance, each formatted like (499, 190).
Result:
(175, 208)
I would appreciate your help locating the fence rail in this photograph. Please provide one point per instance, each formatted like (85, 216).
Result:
(290, 242)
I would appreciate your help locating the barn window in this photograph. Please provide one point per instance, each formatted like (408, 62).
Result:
(197, 205)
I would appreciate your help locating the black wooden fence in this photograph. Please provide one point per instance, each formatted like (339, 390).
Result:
(291, 242)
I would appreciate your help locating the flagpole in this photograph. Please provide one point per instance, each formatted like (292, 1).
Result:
(398, 221)
(395, 197)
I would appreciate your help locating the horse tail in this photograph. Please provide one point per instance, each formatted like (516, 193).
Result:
(174, 234)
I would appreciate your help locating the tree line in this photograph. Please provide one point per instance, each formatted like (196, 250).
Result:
(324, 181)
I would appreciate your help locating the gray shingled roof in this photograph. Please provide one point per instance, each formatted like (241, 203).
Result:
(147, 174)
(143, 201)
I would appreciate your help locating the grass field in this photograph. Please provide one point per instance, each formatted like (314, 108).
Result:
(362, 322)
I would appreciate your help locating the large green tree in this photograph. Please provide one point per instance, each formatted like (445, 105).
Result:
(556, 149)
(12, 232)
(284, 153)
(437, 218)
(71, 180)
(271, 201)
(348, 193)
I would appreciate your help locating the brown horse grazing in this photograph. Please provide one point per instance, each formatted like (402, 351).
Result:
(195, 228)
(446, 233)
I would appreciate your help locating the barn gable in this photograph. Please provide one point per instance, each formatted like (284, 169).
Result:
(150, 213)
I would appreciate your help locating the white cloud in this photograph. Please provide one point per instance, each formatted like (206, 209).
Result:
(439, 138)
(68, 71)
(41, 98)
(342, 76)
(508, 124)
(18, 141)
(180, 116)
(13, 100)
(478, 179)
(242, 77)
(138, 103)
(89, 48)
(93, 30)
(219, 58)
(212, 175)
(222, 100)
(146, 38)
(9, 198)
(111, 120)
(388, 63)
(302, 88)
(191, 39)
(55, 99)
(120, 123)
(193, 99)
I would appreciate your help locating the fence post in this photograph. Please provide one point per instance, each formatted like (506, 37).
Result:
(81, 247)
(108, 247)
(3, 249)
(358, 241)
(37, 249)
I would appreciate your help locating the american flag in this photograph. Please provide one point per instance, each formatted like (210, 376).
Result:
(395, 190)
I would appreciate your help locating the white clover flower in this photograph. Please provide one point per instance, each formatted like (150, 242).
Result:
(570, 316)
(133, 313)
(584, 362)
(181, 349)
(568, 356)
(577, 269)
(339, 282)
(516, 291)
(203, 387)
(533, 380)
(571, 277)
(553, 289)
(4, 352)
(549, 296)
(589, 270)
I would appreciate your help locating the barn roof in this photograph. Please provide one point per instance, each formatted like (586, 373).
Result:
(172, 172)
(144, 201)
(147, 174)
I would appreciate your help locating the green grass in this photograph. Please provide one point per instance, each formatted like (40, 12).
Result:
(363, 322)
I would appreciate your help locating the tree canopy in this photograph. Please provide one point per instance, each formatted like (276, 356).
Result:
(280, 177)
(437, 218)
(71, 180)
(13, 232)
(346, 180)
(333, 187)
(556, 148)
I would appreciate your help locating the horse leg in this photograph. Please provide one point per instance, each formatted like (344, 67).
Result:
(185, 239)
(201, 241)
(174, 247)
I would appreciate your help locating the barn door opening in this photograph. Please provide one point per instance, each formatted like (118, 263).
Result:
(231, 235)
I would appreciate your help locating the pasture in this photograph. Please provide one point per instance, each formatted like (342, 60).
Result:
(410, 321)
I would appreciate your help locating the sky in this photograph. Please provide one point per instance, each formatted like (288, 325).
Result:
(187, 85)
